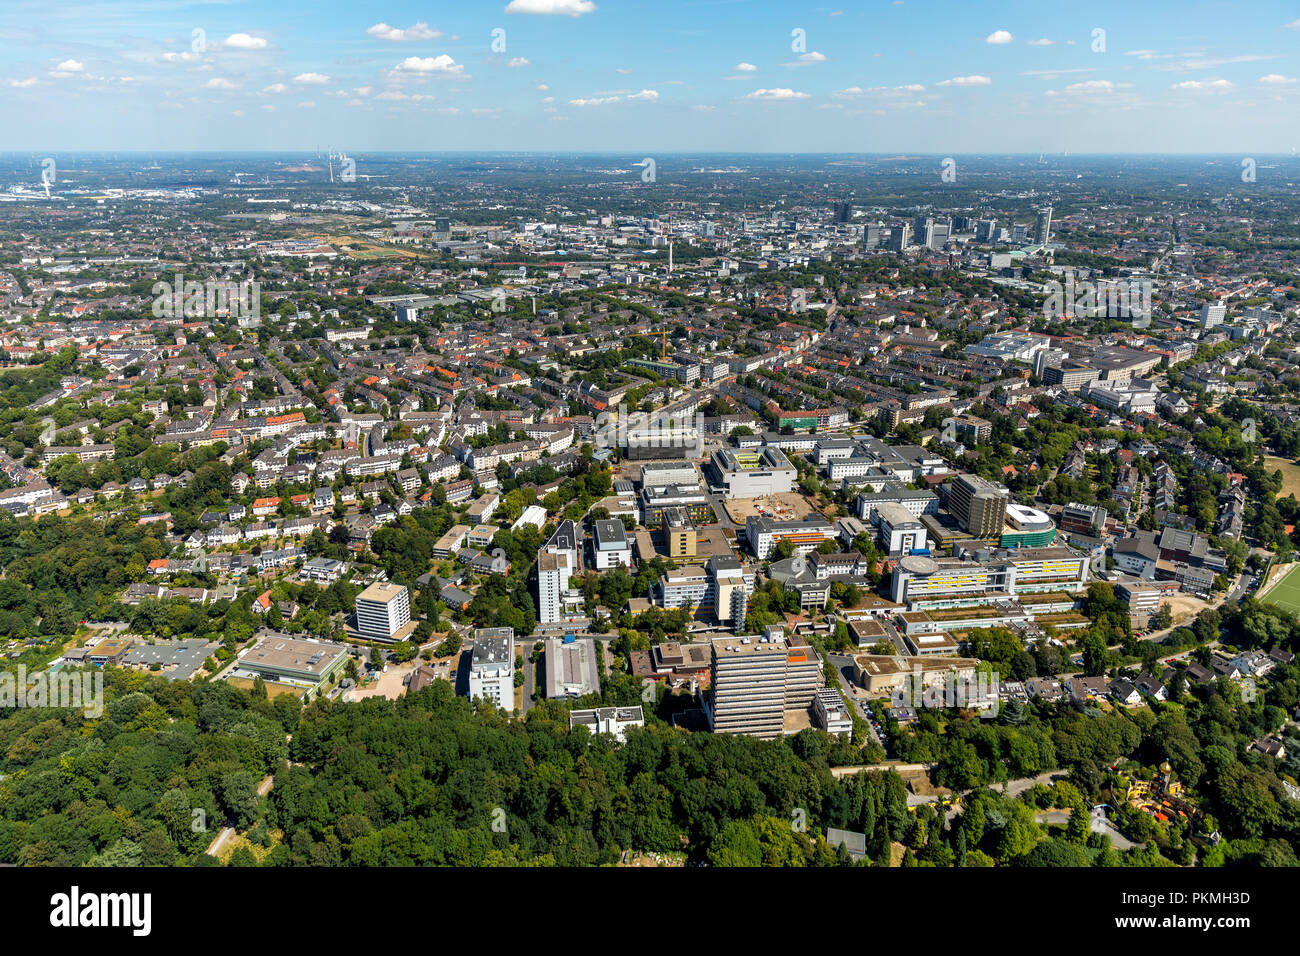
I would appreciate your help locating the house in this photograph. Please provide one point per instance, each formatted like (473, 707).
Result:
(1083, 689)
(1045, 688)
(1151, 686)
(1271, 747)
(1123, 692)
(262, 603)
(1200, 673)
(455, 598)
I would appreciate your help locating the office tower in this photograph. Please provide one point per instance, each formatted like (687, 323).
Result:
(730, 592)
(937, 236)
(755, 681)
(919, 224)
(492, 666)
(961, 223)
(1019, 233)
(558, 560)
(900, 237)
(1048, 358)
(980, 506)
(872, 236)
(843, 212)
(679, 533)
(1043, 226)
(986, 230)
(383, 609)
(1213, 314)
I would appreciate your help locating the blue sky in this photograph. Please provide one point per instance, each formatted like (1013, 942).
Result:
(920, 76)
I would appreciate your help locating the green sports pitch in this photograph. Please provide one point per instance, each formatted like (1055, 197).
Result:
(1286, 593)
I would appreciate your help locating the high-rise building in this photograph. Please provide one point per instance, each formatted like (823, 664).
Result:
(986, 230)
(1019, 232)
(558, 560)
(755, 681)
(383, 610)
(843, 212)
(1043, 226)
(900, 237)
(872, 236)
(979, 505)
(1213, 314)
(679, 533)
(492, 666)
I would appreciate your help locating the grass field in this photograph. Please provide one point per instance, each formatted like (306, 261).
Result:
(1290, 475)
(1286, 593)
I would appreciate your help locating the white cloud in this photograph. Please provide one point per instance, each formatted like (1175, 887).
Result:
(307, 105)
(975, 80)
(702, 108)
(1043, 41)
(559, 8)
(998, 37)
(185, 56)
(244, 41)
(1092, 86)
(219, 83)
(594, 101)
(418, 31)
(808, 59)
(441, 63)
(311, 79)
(542, 87)
(645, 95)
(623, 70)
(854, 91)
(548, 99)
(777, 94)
(1293, 25)
(518, 62)
(21, 84)
(1276, 79)
(70, 66)
(275, 88)
(1202, 85)
(745, 68)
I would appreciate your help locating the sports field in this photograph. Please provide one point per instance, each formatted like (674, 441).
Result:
(1286, 593)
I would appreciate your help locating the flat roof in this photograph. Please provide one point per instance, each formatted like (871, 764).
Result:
(381, 592)
(288, 653)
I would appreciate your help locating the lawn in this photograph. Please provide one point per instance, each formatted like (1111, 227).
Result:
(1290, 474)
(1286, 592)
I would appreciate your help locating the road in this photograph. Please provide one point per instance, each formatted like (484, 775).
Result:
(844, 670)
(1239, 589)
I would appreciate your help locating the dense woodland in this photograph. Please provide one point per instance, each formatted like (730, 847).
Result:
(430, 779)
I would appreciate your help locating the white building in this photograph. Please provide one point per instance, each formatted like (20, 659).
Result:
(383, 609)
(492, 666)
(608, 720)
(558, 560)
(830, 712)
(610, 545)
(897, 529)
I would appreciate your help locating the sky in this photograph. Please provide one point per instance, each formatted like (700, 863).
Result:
(860, 76)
